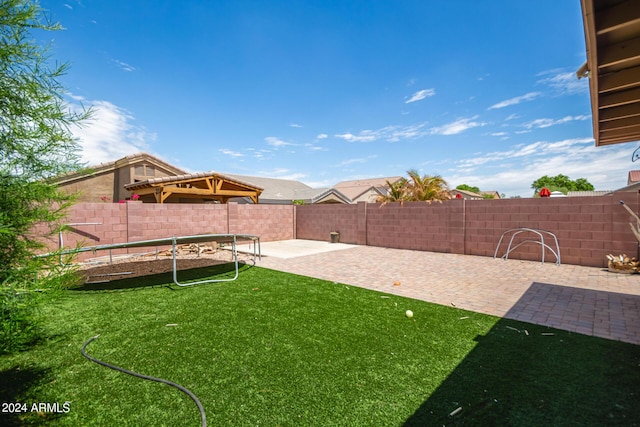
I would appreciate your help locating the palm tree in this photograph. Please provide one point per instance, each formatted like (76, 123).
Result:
(427, 187)
(397, 192)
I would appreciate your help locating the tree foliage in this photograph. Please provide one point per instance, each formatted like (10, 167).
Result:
(35, 143)
(466, 187)
(415, 188)
(561, 183)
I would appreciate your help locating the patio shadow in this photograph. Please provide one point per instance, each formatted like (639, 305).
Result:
(591, 312)
(525, 374)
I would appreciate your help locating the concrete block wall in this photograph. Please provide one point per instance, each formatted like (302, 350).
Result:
(432, 227)
(587, 228)
(270, 222)
(316, 222)
(135, 221)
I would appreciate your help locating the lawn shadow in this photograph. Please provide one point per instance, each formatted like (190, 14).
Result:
(14, 385)
(225, 271)
(525, 374)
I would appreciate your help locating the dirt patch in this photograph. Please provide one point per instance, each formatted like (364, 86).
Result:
(129, 266)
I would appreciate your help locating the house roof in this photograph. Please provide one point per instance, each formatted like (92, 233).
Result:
(588, 193)
(275, 188)
(612, 37)
(634, 176)
(495, 194)
(469, 194)
(203, 185)
(110, 166)
(316, 195)
(355, 188)
(288, 190)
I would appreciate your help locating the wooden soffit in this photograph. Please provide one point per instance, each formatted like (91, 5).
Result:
(205, 185)
(612, 36)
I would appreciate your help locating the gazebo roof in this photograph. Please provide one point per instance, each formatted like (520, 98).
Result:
(202, 185)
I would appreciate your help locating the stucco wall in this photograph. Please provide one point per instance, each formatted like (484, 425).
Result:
(92, 187)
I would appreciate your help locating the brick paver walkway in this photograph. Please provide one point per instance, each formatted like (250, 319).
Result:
(587, 300)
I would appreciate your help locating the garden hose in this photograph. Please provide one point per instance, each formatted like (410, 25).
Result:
(203, 417)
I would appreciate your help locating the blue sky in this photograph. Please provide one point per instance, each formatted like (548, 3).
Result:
(481, 93)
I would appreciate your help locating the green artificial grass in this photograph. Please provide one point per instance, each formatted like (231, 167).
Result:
(277, 349)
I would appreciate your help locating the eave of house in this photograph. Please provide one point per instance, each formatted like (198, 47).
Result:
(111, 166)
(612, 37)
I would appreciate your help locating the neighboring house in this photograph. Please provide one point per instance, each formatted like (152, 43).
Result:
(288, 191)
(106, 181)
(490, 194)
(464, 194)
(588, 193)
(557, 194)
(634, 177)
(633, 183)
(365, 190)
(156, 181)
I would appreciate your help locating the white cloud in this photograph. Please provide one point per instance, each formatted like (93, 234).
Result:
(295, 125)
(124, 66)
(230, 153)
(351, 162)
(513, 171)
(312, 147)
(545, 123)
(277, 142)
(365, 136)
(322, 136)
(420, 95)
(498, 134)
(564, 83)
(457, 126)
(517, 100)
(261, 154)
(356, 160)
(110, 134)
(391, 133)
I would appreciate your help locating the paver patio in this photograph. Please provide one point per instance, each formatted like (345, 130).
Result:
(586, 300)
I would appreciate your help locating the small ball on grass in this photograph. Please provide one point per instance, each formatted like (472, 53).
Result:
(409, 314)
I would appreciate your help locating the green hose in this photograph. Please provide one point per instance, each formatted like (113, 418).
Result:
(203, 416)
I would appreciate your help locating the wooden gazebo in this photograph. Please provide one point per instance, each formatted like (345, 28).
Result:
(203, 186)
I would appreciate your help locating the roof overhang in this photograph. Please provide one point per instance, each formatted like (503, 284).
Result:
(102, 168)
(612, 37)
(204, 185)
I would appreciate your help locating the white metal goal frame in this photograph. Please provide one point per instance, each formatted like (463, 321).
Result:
(539, 233)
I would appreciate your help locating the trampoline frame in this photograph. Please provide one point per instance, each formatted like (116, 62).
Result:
(174, 241)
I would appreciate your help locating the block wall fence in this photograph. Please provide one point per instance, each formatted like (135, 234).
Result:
(587, 228)
(135, 221)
